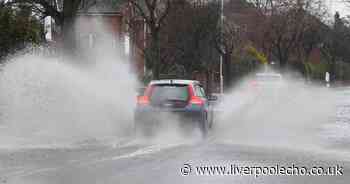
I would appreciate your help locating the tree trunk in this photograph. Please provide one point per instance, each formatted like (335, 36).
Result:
(68, 34)
(332, 74)
(227, 70)
(208, 81)
(283, 65)
(282, 56)
(70, 8)
(155, 55)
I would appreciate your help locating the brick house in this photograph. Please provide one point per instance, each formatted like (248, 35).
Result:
(95, 27)
(113, 16)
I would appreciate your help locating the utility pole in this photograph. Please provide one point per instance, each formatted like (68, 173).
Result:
(221, 55)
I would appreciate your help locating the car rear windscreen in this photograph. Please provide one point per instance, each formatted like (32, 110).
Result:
(168, 92)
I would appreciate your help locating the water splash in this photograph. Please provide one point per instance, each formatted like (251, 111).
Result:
(292, 116)
(46, 100)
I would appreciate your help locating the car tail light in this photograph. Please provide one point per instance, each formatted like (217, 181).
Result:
(196, 101)
(143, 100)
(254, 83)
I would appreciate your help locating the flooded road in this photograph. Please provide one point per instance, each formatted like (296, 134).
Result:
(69, 125)
(142, 163)
(153, 161)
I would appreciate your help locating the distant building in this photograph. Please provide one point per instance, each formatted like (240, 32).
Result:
(128, 43)
(113, 15)
(100, 23)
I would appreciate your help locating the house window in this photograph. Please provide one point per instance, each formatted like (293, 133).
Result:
(126, 44)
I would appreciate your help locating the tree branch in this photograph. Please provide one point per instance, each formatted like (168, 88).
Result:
(49, 9)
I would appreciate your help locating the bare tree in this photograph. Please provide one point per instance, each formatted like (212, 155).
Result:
(335, 45)
(189, 36)
(264, 7)
(63, 12)
(286, 25)
(230, 39)
(153, 12)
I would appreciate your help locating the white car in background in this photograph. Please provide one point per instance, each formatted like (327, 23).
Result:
(266, 87)
(263, 82)
(261, 87)
(267, 80)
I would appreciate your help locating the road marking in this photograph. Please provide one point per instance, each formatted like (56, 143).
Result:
(139, 152)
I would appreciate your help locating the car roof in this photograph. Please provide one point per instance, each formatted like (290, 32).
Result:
(174, 81)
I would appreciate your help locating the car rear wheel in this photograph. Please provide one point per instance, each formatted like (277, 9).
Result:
(140, 128)
(211, 121)
(142, 131)
(203, 127)
(137, 129)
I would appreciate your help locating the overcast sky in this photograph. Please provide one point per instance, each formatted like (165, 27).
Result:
(340, 6)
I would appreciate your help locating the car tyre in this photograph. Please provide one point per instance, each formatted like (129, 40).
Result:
(203, 127)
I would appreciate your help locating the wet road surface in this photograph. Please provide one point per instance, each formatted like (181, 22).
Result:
(132, 162)
(144, 161)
